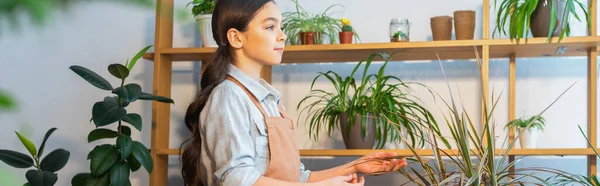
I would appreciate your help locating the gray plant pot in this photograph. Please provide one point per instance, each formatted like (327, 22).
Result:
(354, 140)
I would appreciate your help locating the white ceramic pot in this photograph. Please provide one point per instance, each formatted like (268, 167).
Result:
(204, 24)
(528, 138)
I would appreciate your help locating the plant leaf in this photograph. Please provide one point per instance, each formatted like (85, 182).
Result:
(80, 179)
(129, 92)
(91, 77)
(30, 146)
(137, 56)
(101, 134)
(55, 161)
(146, 96)
(107, 112)
(135, 120)
(124, 145)
(118, 70)
(15, 159)
(141, 153)
(134, 164)
(125, 130)
(6, 101)
(41, 178)
(103, 158)
(41, 150)
(102, 180)
(119, 174)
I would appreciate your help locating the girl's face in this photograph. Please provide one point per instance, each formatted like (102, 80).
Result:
(263, 41)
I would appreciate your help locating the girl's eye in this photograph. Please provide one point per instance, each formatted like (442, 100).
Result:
(271, 27)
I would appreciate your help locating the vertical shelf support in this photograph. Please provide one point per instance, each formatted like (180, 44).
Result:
(592, 88)
(161, 86)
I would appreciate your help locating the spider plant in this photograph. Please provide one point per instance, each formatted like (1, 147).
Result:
(591, 180)
(321, 24)
(374, 95)
(518, 14)
(536, 121)
(475, 160)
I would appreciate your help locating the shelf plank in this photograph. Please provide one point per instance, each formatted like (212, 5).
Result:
(425, 152)
(417, 50)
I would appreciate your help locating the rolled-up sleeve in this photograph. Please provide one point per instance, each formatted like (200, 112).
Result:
(228, 139)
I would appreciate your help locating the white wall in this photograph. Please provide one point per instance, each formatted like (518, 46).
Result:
(34, 67)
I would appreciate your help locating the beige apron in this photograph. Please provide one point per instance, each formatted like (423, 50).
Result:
(284, 162)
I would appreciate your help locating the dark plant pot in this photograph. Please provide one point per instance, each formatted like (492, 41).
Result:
(464, 24)
(346, 37)
(540, 19)
(309, 38)
(354, 139)
(441, 28)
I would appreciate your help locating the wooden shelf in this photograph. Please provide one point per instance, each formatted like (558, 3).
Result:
(425, 152)
(420, 50)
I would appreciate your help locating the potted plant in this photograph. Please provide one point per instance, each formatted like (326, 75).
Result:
(363, 108)
(202, 10)
(303, 28)
(399, 36)
(347, 32)
(111, 163)
(46, 168)
(528, 129)
(543, 17)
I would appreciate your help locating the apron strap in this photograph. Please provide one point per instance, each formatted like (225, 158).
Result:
(254, 100)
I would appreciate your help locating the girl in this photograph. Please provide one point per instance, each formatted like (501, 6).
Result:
(241, 134)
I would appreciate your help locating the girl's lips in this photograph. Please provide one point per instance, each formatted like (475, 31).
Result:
(278, 49)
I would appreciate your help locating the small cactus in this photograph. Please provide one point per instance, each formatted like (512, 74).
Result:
(346, 25)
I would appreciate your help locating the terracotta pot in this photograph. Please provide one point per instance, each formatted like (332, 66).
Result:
(309, 38)
(464, 24)
(346, 37)
(540, 19)
(441, 28)
(354, 139)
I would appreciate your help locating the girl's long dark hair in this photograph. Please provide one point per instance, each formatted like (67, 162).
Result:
(227, 14)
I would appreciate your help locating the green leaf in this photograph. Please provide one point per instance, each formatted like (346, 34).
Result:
(124, 145)
(129, 92)
(107, 112)
(27, 184)
(15, 159)
(133, 163)
(41, 150)
(41, 178)
(30, 146)
(119, 174)
(80, 179)
(101, 134)
(102, 180)
(103, 147)
(6, 101)
(137, 56)
(141, 153)
(146, 96)
(55, 161)
(135, 120)
(125, 130)
(103, 159)
(91, 77)
(118, 70)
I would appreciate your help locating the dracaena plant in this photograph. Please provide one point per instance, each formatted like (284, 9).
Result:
(475, 159)
(46, 167)
(386, 97)
(111, 164)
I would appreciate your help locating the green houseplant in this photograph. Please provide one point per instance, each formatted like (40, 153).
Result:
(528, 128)
(372, 97)
(202, 10)
(45, 170)
(542, 16)
(304, 28)
(6, 101)
(111, 164)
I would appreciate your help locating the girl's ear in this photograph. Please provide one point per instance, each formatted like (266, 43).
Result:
(235, 38)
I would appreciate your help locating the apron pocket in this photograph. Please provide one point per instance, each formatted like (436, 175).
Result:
(261, 142)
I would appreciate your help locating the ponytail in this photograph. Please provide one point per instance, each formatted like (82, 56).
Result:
(215, 73)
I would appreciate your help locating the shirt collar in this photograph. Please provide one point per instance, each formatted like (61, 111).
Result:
(260, 89)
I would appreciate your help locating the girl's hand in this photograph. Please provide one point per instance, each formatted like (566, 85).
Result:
(348, 180)
(379, 163)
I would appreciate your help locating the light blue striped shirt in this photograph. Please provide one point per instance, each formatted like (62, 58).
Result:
(234, 136)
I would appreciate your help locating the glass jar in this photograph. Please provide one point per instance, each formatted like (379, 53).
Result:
(399, 30)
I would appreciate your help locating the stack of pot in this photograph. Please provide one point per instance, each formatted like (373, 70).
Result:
(464, 25)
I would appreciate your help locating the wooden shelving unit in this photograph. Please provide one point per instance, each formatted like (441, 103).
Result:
(164, 55)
